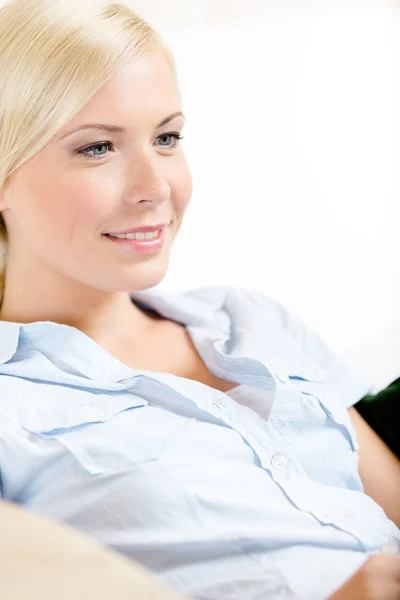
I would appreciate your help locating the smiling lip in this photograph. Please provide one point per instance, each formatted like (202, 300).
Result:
(143, 228)
(151, 246)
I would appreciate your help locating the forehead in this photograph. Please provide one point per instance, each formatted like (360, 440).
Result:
(146, 86)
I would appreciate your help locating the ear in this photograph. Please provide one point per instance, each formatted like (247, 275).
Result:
(3, 211)
(3, 198)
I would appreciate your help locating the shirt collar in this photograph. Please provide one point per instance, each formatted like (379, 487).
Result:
(180, 307)
(9, 332)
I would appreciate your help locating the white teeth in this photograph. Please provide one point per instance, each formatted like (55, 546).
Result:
(136, 236)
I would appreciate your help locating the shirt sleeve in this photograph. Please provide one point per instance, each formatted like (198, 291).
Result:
(350, 385)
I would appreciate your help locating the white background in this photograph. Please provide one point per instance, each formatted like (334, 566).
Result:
(292, 137)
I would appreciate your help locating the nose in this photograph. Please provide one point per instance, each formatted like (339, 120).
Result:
(149, 183)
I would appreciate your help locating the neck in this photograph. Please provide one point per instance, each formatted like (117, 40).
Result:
(109, 318)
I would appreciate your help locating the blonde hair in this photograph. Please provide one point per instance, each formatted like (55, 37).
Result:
(54, 56)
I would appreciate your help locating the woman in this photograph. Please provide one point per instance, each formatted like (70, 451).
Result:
(205, 434)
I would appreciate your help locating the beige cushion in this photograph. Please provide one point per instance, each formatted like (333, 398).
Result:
(41, 559)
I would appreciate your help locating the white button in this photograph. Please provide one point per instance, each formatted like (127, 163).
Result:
(313, 402)
(283, 377)
(391, 548)
(280, 462)
(218, 403)
(94, 412)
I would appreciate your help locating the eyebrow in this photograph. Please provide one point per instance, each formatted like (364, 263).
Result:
(116, 128)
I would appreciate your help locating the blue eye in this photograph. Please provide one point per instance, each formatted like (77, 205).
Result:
(95, 147)
(167, 140)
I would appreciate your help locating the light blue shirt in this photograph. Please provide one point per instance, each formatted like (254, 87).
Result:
(252, 494)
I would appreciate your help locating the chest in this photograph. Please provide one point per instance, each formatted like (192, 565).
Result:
(170, 349)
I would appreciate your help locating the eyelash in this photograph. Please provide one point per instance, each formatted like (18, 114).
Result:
(84, 151)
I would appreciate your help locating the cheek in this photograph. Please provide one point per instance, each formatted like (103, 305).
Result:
(65, 208)
(85, 207)
(42, 209)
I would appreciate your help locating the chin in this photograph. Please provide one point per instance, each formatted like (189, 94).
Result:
(146, 275)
